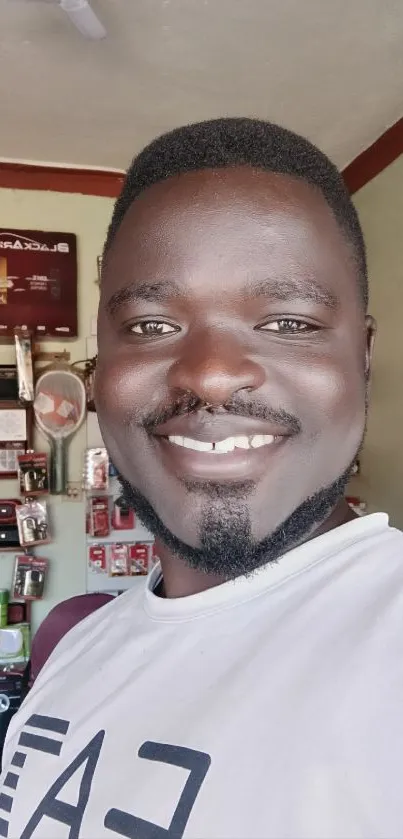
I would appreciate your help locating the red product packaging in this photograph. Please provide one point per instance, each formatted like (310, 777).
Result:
(98, 517)
(119, 560)
(122, 516)
(139, 559)
(97, 558)
(154, 556)
(96, 469)
(18, 612)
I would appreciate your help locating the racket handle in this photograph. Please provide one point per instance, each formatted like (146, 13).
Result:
(58, 467)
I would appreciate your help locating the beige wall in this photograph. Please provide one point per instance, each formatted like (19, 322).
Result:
(380, 206)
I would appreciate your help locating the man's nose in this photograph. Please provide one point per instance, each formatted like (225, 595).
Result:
(214, 366)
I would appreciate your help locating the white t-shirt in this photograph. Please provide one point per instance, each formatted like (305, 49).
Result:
(265, 708)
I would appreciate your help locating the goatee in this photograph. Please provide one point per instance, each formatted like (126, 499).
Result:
(227, 547)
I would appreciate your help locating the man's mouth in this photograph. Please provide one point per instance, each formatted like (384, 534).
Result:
(235, 458)
(220, 446)
(226, 446)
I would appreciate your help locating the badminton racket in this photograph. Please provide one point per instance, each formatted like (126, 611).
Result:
(59, 408)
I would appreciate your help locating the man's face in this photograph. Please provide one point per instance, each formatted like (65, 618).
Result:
(232, 358)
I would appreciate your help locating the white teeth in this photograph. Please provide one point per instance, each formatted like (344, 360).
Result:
(198, 445)
(259, 440)
(264, 440)
(242, 442)
(188, 444)
(177, 440)
(224, 446)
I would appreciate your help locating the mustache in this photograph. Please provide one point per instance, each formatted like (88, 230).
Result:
(236, 406)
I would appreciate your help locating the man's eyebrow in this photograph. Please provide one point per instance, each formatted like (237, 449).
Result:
(283, 290)
(292, 288)
(152, 292)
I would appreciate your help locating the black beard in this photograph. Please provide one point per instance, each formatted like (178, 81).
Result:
(226, 545)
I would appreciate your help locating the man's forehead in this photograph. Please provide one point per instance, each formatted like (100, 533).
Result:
(277, 227)
(217, 202)
(233, 185)
(238, 209)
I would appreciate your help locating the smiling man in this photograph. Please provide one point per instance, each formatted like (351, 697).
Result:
(252, 689)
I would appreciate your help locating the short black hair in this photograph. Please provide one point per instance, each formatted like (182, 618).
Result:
(226, 142)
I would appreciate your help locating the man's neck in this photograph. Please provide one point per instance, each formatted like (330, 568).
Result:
(179, 580)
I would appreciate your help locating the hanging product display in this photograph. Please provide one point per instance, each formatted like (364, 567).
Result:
(97, 559)
(15, 436)
(8, 383)
(9, 536)
(118, 560)
(25, 373)
(33, 525)
(59, 411)
(29, 577)
(96, 469)
(98, 520)
(33, 473)
(123, 517)
(139, 559)
(9, 454)
(13, 424)
(38, 282)
(18, 612)
(23, 525)
(89, 375)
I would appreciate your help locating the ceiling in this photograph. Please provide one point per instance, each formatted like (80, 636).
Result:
(330, 69)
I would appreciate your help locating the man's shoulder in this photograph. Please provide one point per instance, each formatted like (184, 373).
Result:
(60, 622)
(381, 542)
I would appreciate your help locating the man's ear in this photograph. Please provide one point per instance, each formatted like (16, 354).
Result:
(370, 330)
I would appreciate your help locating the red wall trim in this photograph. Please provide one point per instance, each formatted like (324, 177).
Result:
(376, 158)
(366, 166)
(59, 179)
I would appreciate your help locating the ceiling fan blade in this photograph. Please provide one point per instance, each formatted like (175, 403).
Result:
(84, 18)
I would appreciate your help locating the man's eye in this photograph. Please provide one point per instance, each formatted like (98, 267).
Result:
(288, 326)
(152, 328)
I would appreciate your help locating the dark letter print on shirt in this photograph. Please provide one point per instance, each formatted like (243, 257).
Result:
(41, 733)
(61, 811)
(198, 765)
